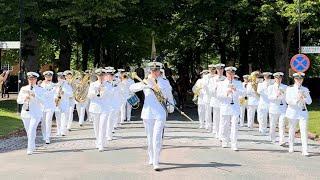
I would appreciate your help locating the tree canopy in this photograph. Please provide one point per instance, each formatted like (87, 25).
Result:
(189, 34)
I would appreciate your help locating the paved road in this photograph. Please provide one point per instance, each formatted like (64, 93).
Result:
(188, 153)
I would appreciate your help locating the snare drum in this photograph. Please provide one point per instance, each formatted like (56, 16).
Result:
(134, 101)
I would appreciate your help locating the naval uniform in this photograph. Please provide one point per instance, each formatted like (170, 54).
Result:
(198, 88)
(215, 104)
(296, 112)
(154, 115)
(126, 108)
(263, 106)
(99, 110)
(62, 108)
(244, 105)
(229, 111)
(253, 101)
(31, 112)
(48, 109)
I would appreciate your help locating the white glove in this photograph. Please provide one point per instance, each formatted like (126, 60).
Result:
(170, 109)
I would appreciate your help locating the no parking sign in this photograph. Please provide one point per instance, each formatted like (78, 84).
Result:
(300, 63)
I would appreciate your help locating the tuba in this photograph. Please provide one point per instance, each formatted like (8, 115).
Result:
(254, 81)
(80, 90)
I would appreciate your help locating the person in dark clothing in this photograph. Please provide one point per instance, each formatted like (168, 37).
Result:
(183, 85)
(140, 73)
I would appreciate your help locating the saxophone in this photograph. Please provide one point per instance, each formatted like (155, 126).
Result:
(59, 97)
(244, 99)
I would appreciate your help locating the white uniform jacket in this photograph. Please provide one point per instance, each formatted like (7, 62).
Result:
(253, 98)
(35, 103)
(152, 108)
(278, 104)
(262, 90)
(294, 110)
(206, 89)
(102, 103)
(198, 88)
(65, 98)
(49, 90)
(226, 108)
(214, 84)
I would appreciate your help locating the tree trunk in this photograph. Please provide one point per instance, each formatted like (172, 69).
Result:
(97, 53)
(85, 55)
(29, 52)
(244, 53)
(65, 53)
(281, 53)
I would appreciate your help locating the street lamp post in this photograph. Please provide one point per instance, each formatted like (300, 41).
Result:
(20, 49)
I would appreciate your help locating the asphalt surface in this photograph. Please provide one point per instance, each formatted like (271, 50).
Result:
(188, 153)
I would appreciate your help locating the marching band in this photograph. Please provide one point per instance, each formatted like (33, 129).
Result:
(105, 98)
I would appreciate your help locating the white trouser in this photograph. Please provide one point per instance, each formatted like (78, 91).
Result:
(117, 118)
(70, 116)
(61, 121)
(154, 131)
(303, 124)
(262, 115)
(201, 114)
(229, 126)
(274, 120)
(208, 117)
(88, 113)
(30, 125)
(111, 119)
(251, 111)
(46, 124)
(81, 109)
(216, 121)
(126, 112)
(99, 126)
(242, 115)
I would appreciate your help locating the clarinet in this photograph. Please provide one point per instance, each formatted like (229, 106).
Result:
(304, 108)
(99, 94)
(28, 104)
(231, 85)
(281, 103)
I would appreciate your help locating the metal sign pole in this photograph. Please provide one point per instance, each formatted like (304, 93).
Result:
(299, 25)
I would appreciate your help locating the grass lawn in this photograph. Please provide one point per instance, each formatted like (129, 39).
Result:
(9, 119)
(314, 118)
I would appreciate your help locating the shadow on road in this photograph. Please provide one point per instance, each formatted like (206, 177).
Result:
(205, 165)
